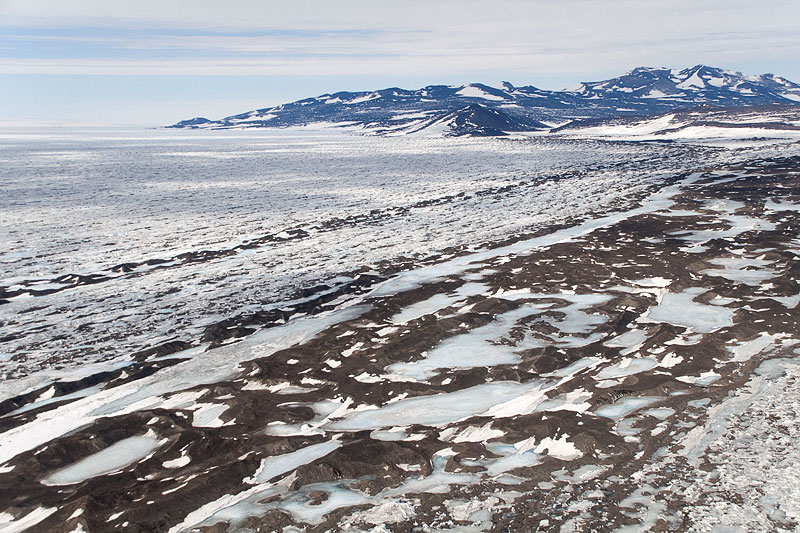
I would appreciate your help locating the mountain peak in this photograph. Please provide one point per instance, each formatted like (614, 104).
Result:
(699, 67)
(640, 70)
(476, 120)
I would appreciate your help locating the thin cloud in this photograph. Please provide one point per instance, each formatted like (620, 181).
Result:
(550, 43)
(376, 53)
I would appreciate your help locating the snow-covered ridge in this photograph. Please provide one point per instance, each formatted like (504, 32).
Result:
(745, 123)
(641, 91)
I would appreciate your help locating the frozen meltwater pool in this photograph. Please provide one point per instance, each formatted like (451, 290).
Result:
(111, 459)
(625, 406)
(681, 309)
(437, 409)
(741, 270)
(627, 367)
(482, 347)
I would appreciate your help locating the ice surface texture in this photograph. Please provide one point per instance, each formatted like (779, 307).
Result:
(169, 221)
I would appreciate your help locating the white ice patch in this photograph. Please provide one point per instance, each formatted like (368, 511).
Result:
(471, 91)
(657, 282)
(560, 448)
(743, 351)
(285, 388)
(741, 270)
(625, 406)
(111, 459)
(511, 460)
(670, 360)
(8, 524)
(386, 512)
(47, 399)
(49, 393)
(473, 511)
(705, 378)
(581, 474)
(536, 398)
(630, 340)
(725, 210)
(179, 462)
(438, 302)
(366, 377)
(662, 413)
(574, 400)
(680, 309)
(480, 347)
(353, 349)
(627, 367)
(781, 205)
(396, 433)
(574, 368)
(471, 434)
(365, 98)
(182, 400)
(789, 302)
(207, 415)
(437, 409)
(692, 82)
(575, 320)
(277, 465)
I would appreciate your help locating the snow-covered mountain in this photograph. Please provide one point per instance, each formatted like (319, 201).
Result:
(642, 91)
(697, 85)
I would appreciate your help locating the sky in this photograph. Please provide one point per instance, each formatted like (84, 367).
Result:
(155, 62)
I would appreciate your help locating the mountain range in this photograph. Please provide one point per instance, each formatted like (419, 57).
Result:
(480, 110)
